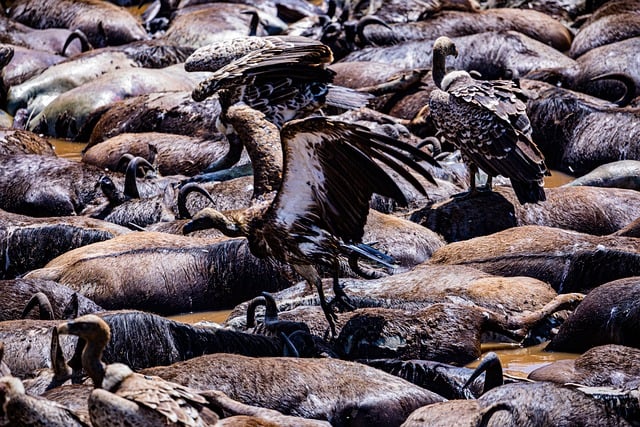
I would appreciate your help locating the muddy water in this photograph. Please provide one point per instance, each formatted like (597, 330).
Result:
(68, 149)
(518, 362)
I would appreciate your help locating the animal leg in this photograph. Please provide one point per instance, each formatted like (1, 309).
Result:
(311, 276)
(340, 296)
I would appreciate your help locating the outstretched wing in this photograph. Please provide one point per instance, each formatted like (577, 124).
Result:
(254, 60)
(330, 174)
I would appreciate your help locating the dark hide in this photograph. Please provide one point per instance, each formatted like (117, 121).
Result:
(531, 23)
(17, 293)
(29, 243)
(45, 185)
(492, 54)
(171, 112)
(577, 132)
(520, 404)
(591, 210)
(181, 273)
(103, 23)
(609, 314)
(341, 392)
(569, 261)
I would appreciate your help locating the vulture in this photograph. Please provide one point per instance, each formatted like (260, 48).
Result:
(122, 395)
(487, 121)
(285, 77)
(315, 178)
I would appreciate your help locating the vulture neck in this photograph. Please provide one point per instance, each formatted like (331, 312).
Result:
(438, 66)
(92, 360)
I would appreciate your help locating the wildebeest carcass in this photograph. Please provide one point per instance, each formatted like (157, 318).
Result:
(492, 54)
(531, 23)
(577, 132)
(64, 301)
(30, 243)
(342, 392)
(37, 92)
(586, 209)
(517, 404)
(103, 23)
(609, 314)
(569, 261)
(182, 274)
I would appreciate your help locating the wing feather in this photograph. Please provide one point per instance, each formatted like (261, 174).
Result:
(330, 174)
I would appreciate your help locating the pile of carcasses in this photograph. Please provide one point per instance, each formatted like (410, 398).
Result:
(98, 244)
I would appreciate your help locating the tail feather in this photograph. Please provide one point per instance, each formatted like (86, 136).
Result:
(372, 254)
(347, 98)
(528, 191)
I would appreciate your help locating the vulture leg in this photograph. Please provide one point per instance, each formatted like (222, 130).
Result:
(311, 276)
(340, 296)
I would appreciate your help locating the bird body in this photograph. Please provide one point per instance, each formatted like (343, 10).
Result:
(318, 206)
(487, 121)
(125, 398)
(284, 77)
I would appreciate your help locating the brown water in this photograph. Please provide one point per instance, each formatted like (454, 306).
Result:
(203, 316)
(518, 361)
(68, 149)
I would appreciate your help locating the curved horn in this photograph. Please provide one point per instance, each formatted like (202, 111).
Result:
(44, 305)
(62, 371)
(366, 21)
(130, 186)
(255, 21)
(78, 34)
(626, 80)
(435, 143)
(185, 190)
(290, 349)
(368, 274)
(6, 55)
(124, 161)
(492, 367)
(271, 308)
(251, 310)
(73, 308)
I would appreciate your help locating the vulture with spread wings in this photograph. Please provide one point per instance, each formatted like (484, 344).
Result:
(285, 77)
(317, 210)
(488, 122)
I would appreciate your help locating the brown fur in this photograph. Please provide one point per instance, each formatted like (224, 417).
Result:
(118, 25)
(170, 112)
(341, 390)
(608, 365)
(610, 314)
(181, 274)
(567, 260)
(520, 404)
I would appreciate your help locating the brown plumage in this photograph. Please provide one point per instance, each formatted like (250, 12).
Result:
(20, 409)
(487, 121)
(123, 397)
(284, 77)
(316, 210)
